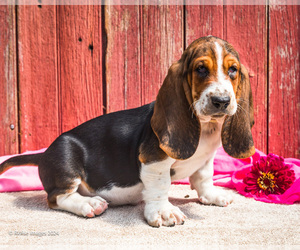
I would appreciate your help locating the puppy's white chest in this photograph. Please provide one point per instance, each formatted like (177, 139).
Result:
(210, 140)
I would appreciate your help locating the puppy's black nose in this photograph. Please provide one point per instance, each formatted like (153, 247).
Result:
(220, 102)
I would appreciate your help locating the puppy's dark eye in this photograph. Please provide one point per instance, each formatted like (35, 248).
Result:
(232, 71)
(203, 72)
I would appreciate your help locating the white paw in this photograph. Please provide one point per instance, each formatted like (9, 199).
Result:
(92, 206)
(158, 213)
(215, 196)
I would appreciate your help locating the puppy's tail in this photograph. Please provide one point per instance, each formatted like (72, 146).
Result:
(21, 160)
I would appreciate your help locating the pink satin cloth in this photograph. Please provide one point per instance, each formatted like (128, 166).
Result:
(229, 172)
(20, 178)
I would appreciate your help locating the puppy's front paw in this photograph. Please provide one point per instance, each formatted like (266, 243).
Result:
(215, 196)
(160, 213)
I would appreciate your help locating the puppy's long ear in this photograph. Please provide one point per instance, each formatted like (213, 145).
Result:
(173, 121)
(236, 132)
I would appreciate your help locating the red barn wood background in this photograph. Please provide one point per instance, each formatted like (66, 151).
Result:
(62, 65)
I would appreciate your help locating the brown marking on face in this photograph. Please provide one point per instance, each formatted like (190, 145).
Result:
(228, 62)
(199, 82)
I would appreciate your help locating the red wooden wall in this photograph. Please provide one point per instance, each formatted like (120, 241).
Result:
(62, 65)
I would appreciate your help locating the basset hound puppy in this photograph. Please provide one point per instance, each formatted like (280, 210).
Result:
(124, 157)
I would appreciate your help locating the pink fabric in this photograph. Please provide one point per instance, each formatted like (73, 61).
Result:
(20, 178)
(229, 172)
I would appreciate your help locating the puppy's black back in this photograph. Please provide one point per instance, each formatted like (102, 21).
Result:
(103, 152)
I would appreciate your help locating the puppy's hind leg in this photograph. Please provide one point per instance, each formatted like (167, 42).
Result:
(72, 201)
(62, 172)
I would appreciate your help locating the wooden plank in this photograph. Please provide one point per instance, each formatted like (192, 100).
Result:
(37, 66)
(203, 20)
(123, 76)
(80, 64)
(284, 89)
(245, 27)
(8, 82)
(162, 44)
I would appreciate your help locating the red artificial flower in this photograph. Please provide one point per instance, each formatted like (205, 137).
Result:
(269, 175)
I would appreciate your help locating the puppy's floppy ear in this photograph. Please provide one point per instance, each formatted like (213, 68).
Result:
(173, 121)
(236, 132)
